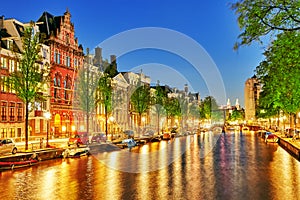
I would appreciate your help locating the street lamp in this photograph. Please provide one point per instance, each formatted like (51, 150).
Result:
(47, 115)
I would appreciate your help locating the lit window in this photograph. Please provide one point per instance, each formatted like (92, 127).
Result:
(3, 62)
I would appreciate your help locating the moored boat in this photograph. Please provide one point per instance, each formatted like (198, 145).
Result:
(76, 152)
(6, 165)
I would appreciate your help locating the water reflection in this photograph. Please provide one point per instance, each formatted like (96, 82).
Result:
(236, 166)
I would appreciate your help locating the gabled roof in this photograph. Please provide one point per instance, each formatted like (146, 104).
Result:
(3, 34)
(50, 23)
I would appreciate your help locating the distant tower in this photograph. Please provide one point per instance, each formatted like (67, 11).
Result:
(237, 104)
(251, 92)
(186, 89)
(98, 58)
(228, 103)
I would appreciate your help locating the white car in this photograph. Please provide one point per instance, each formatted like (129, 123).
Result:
(8, 146)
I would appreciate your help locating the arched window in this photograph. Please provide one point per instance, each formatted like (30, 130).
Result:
(67, 88)
(56, 83)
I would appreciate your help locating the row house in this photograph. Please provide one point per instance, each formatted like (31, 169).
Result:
(66, 57)
(134, 80)
(92, 74)
(12, 108)
(119, 119)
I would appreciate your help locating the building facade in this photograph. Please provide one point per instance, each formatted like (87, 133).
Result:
(66, 57)
(251, 92)
(12, 108)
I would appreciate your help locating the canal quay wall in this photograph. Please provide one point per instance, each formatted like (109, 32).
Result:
(53, 153)
(288, 144)
(292, 147)
(41, 154)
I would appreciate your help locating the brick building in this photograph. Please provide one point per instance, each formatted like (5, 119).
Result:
(66, 57)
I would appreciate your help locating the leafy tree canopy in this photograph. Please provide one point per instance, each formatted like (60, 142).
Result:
(279, 74)
(257, 18)
(140, 99)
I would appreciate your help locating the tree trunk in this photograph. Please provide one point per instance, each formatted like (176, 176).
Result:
(105, 109)
(158, 123)
(87, 123)
(140, 123)
(26, 125)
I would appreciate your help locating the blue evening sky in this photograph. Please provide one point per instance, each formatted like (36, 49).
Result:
(210, 23)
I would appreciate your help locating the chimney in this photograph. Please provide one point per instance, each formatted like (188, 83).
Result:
(98, 57)
(113, 58)
(2, 22)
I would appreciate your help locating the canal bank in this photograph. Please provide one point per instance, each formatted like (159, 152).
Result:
(26, 158)
(293, 147)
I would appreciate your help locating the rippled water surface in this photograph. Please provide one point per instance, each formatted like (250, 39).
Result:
(229, 166)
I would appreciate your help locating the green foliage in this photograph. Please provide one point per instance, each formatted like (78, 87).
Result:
(236, 115)
(207, 106)
(104, 92)
(29, 78)
(279, 74)
(140, 99)
(172, 107)
(86, 90)
(257, 18)
(159, 100)
(194, 110)
(111, 69)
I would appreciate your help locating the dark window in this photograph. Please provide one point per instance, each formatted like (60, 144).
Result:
(3, 111)
(19, 111)
(12, 111)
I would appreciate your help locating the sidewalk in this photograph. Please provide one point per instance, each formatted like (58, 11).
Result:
(289, 144)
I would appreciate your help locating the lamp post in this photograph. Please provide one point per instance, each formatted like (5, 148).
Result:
(47, 115)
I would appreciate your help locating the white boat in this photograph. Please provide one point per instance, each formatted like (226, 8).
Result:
(129, 142)
(76, 152)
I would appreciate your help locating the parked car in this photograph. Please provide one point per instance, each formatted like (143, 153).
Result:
(8, 146)
(98, 137)
(78, 139)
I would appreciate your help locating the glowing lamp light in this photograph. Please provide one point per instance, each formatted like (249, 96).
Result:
(73, 128)
(63, 128)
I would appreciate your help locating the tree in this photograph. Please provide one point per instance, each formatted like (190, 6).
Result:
(209, 105)
(104, 96)
(29, 79)
(257, 18)
(86, 89)
(236, 115)
(140, 101)
(111, 69)
(173, 108)
(279, 74)
(159, 101)
(194, 111)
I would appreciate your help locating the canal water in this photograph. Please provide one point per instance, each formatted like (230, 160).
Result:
(229, 165)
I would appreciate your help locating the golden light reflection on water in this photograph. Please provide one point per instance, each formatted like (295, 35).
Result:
(48, 184)
(239, 167)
